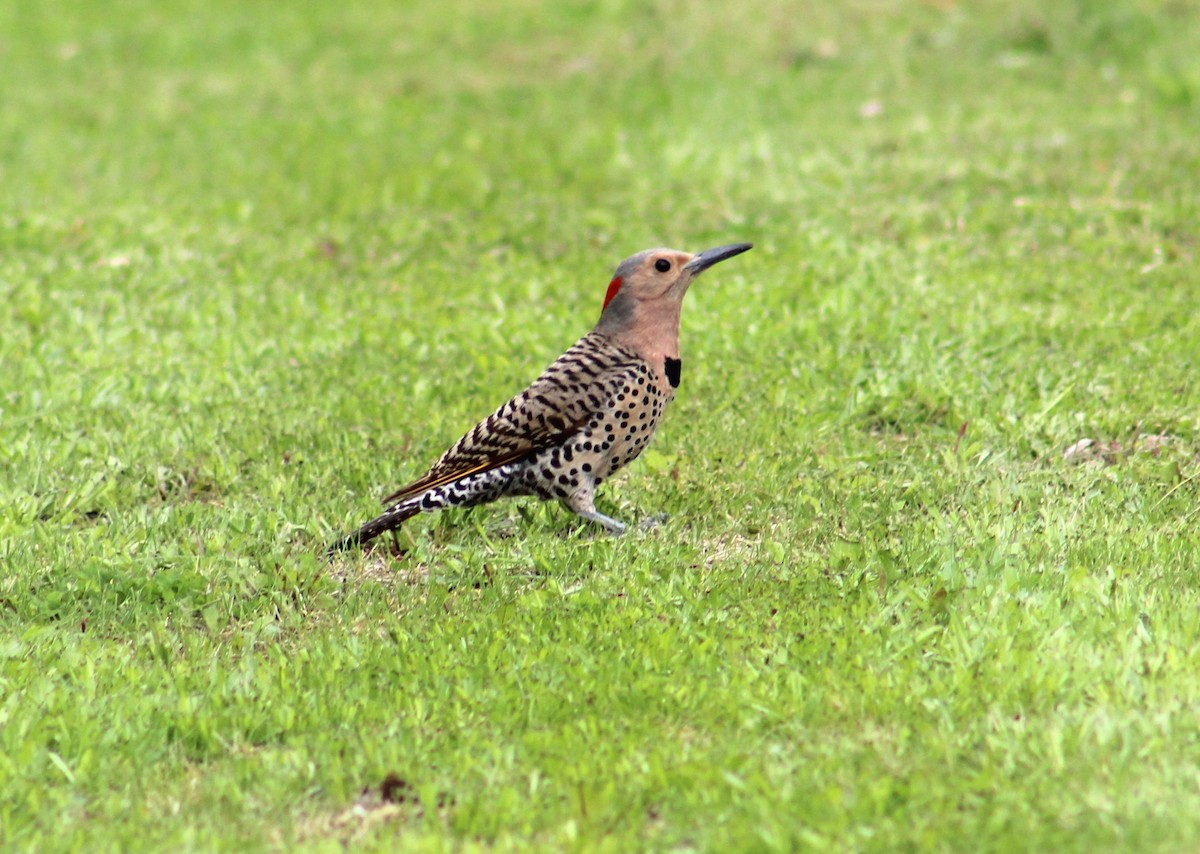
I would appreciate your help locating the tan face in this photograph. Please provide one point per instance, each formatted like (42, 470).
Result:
(657, 274)
(653, 274)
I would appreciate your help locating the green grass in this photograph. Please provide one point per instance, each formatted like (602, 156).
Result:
(260, 263)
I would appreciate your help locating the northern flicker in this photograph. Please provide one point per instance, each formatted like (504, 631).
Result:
(588, 414)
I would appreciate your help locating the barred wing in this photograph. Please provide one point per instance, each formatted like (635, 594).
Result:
(555, 407)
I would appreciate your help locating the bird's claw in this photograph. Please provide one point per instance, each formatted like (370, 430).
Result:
(653, 523)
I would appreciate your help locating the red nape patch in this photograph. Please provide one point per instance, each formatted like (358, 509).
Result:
(613, 287)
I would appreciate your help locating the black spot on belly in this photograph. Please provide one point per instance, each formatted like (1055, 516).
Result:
(673, 368)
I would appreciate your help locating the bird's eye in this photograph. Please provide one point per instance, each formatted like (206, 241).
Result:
(662, 265)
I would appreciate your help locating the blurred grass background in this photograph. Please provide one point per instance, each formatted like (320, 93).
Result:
(261, 262)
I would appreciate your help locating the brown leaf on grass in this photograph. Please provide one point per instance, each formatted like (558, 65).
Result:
(1152, 443)
(1088, 450)
(1080, 451)
(393, 802)
(396, 790)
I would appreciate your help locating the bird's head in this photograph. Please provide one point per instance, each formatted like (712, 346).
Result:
(648, 288)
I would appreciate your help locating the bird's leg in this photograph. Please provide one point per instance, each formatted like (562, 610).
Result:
(582, 504)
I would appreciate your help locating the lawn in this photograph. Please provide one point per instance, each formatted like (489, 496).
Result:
(931, 574)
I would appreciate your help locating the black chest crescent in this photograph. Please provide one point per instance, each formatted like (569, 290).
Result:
(673, 369)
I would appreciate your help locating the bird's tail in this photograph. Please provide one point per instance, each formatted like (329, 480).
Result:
(393, 517)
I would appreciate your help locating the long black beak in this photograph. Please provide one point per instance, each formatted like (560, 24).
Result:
(713, 256)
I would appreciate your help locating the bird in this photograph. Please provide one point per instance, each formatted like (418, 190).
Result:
(591, 412)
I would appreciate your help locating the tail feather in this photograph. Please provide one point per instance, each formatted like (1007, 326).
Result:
(394, 517)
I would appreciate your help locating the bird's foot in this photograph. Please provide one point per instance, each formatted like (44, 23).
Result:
(653, 523)
(650, 523)
(610, 524)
